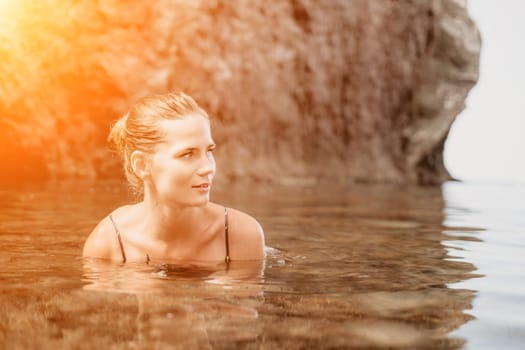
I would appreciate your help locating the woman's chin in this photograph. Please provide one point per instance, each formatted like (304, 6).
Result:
(200, 202)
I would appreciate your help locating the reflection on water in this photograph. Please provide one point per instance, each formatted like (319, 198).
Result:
(497, 250)
(365, 266)
(191, 306)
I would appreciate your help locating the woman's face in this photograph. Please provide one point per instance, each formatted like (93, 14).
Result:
(183, 166)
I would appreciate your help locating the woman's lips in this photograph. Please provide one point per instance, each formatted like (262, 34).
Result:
(202, 187)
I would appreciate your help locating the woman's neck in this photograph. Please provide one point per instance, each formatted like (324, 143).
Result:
(168, 223)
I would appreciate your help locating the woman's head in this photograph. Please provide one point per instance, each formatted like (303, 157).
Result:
(143, 128)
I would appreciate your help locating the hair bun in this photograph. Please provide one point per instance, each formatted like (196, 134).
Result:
(117, 134)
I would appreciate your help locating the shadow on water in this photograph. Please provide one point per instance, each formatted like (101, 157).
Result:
(362, 266)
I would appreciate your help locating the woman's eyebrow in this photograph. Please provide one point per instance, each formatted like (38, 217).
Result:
(179, 150)
(192, 148)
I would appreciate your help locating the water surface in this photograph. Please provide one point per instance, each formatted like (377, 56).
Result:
(382, 267)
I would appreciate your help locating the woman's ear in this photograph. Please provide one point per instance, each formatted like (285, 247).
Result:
(139, 164)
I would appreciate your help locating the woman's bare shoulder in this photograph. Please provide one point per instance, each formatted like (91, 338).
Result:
(102, 242)
(246, 236)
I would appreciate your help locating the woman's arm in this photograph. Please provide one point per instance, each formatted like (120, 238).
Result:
(101, 241)
(246, 236)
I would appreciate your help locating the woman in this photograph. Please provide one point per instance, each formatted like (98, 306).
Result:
(166, 145)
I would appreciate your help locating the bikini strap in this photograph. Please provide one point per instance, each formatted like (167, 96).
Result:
(227, 258)
(119, 238)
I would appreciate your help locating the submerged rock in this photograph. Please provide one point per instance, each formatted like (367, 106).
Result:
(298, 90)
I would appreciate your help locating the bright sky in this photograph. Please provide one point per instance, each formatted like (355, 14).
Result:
(487, 140)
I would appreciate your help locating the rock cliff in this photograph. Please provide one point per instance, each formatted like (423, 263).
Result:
(299, 90)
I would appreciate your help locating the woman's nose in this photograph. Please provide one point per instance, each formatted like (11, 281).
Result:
(207, 165)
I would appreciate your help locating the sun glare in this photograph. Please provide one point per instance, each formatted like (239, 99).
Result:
(5, 5)
(6, 13)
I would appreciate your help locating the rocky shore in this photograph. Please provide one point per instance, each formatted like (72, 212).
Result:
(300, 91)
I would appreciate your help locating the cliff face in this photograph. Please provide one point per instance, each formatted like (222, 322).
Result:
(298, 90)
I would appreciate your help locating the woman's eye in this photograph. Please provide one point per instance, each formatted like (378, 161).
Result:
(187, 155)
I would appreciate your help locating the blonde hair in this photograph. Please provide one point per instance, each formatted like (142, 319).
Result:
(139, 128)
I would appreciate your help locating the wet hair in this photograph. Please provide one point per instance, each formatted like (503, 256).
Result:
(139, 129)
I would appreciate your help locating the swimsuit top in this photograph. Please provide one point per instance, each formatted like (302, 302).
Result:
(226, 259)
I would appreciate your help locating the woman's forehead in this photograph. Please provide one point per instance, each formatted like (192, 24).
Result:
(188, 130)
